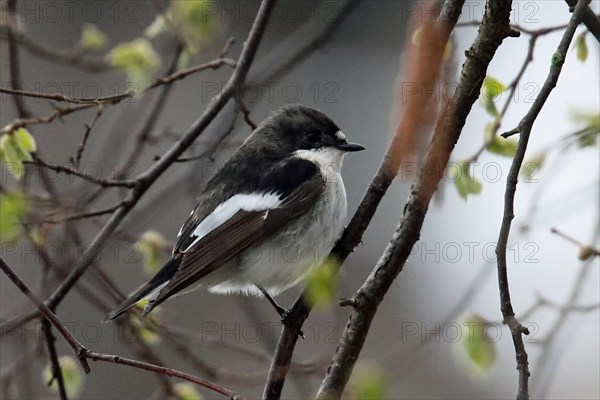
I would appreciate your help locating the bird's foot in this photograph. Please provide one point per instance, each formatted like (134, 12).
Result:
(287, 321)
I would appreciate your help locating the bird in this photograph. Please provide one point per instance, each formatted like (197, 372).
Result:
(266, 219)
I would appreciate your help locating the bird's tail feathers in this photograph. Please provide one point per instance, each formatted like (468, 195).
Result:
(148, 290)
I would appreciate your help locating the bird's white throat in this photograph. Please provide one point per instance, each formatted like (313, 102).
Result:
(328, 159)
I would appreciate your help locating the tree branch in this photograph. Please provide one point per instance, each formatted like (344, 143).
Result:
(589, 19)
(65, 99)
(525, 127)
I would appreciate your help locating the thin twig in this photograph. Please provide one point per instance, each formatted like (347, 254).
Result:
(589, 19)
(86, 134)
(89, 178)
(13, 51)
(175, 76)
(66, 99)
(57, 373)
(590, 249)
(525, 127)
(47, 313)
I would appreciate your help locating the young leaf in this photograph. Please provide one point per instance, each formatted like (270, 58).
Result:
(145, 331)
(532, 166)
(588, 137)
(92, 38)
(151, 245)
(322, 284)
(16, 147)
(478, 348)
(194, 20)
(186, 391)
(503, 147)
(72, 376)
(582, 48)
(370, 382)
(137, 58)
(463, 181)
(13, 209)
(491, 89)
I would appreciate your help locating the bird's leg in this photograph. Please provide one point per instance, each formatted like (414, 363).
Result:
(283, 313)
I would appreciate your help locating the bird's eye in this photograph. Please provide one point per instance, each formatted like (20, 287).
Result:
(313, 137)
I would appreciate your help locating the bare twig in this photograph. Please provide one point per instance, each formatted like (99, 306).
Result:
(66, 99)
(175, 76)
(85, 177)
(58, 112)
(589, 19)
(13, 51)
(56, 369)
(86, 135)
(590, 249)
(47, 313)
(525, 127)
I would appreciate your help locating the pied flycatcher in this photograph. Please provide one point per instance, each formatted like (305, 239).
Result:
(263, 221)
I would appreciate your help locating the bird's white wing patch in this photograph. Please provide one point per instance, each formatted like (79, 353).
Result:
(182, 226)
(226, 210)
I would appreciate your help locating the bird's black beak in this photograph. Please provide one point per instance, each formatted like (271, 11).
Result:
(348, 146)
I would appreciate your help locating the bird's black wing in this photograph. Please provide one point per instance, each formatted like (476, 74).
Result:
(298, 183)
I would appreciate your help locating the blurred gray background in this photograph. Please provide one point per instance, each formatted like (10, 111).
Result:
(351, 76)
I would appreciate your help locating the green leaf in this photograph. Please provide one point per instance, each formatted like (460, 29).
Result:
(24, 140)
(137, 58)
(322, 283)
(92, 38)
(194, 20)
(13, 209)
(145, 331)
(492, 88)
(371, 382)
(463, 181)
(158, 26)
(15, 147)
(186, 391)
(478, 347)
(72, 376)
(503, 147)
(582, 48)
(532, 166)
(151, 245)
(588, 136)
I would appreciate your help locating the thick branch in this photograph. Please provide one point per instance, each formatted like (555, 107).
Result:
(524, 128)
(589, 19)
